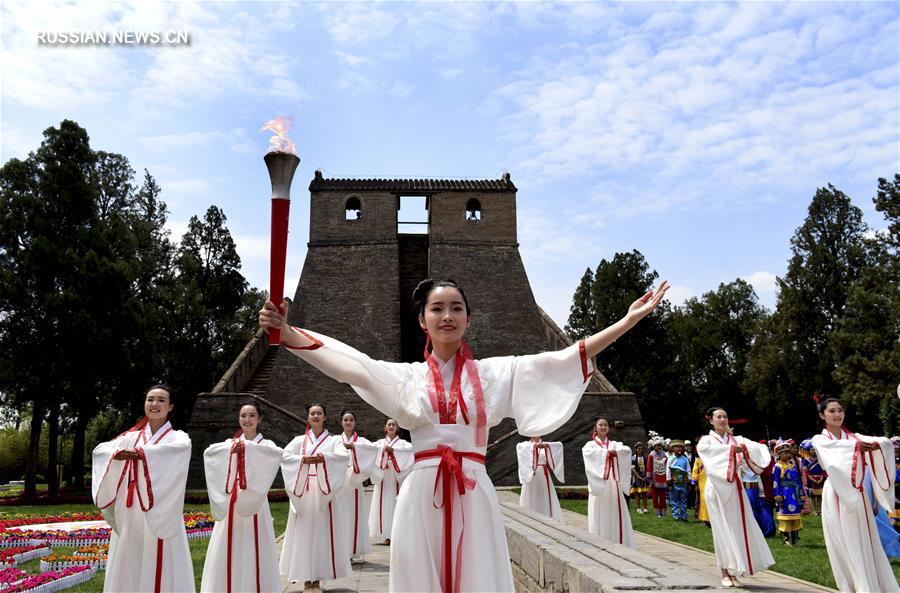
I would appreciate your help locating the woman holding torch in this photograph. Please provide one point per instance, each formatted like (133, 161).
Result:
(448, 533)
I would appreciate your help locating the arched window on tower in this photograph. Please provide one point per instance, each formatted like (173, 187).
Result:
(473, 210)
(353, 209)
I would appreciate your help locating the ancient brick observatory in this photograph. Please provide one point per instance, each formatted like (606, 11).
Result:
(356, 286)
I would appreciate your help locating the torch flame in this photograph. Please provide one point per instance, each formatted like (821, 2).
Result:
(280, 141)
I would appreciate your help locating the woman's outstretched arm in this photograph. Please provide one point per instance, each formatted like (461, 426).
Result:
(637, 311)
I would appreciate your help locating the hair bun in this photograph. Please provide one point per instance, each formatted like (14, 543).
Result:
(420, 294)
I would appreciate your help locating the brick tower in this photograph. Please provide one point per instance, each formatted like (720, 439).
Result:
(356, 286)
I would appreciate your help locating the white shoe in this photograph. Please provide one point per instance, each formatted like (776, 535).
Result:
(726, 582)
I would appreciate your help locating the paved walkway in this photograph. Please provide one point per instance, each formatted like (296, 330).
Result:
(372, 575)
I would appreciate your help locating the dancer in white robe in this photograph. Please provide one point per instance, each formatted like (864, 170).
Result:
(537, 460)
(448, 533)
(607, 464)
(857, 557)
(740, 546)
(241, 554)
(314, 467)
(352, 497)
(393, 462)
(138, 482)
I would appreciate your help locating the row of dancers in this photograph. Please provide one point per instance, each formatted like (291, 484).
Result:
(140, 476)
(861, 477)
(446, 532)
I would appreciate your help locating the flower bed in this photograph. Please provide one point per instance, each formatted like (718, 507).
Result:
(57, 562)
(22, 554)
(56, 580)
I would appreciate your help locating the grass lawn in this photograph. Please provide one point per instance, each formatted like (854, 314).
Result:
(807, 561)
(95, 585)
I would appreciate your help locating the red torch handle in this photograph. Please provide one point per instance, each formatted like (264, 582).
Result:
(280, 214)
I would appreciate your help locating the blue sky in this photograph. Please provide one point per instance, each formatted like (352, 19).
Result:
(696, 133)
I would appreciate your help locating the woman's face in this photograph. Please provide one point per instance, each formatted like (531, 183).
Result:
(249, 418)
(601, 428)
(833, 415)
(158, 404)
(316, 417)
(445, 318)
(390, 428)
(348, 422)
(719, 421)
(785, 455)
(639, 449)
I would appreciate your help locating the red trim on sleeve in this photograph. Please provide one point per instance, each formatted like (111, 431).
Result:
(582, 350)
(316, 343)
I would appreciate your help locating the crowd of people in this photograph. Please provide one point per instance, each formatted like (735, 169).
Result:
(745, 491)
(430, 489)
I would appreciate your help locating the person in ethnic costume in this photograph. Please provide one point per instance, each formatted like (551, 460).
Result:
(815, 476)
(678, 478)
(138, 483)
(740, 546)
(691, 457)
(657, 473)
(607, 464)
(241, 554)
(448, 532)
(857, 558)
(789, 494)
(639, 483)
(698, 482)
(393, 462)
(352, 497)
(314, 467)
(537, 460)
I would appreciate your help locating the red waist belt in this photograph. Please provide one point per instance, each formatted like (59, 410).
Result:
(450, 469)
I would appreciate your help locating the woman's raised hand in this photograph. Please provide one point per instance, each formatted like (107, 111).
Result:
(271, 318)
(647, 303)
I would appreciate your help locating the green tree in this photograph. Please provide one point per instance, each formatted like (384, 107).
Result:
(582, 316)
(866, 339)
(641, 360)
(210, 295)
(793, 357)
(712, 337)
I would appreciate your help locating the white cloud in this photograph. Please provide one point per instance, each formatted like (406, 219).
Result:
(450, 73)
(764, 283)
(678, 294)
(701, 118)
(402, 88)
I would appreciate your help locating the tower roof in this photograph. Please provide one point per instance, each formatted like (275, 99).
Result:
(416, 186)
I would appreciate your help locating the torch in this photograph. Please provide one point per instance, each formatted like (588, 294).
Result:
(281, 163)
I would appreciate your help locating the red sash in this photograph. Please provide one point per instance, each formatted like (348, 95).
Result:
(611, 471)
(549, 465)
(450, 469)
(447, 410)
(238, 453)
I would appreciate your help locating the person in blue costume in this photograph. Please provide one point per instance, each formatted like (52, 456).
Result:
(814, 476)
(890, 540)
(755, 494)
(679, 479)
(789, 494)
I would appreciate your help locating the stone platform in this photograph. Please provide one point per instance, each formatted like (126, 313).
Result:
(550, 557)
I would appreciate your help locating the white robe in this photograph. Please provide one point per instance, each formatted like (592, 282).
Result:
(243, 516)
(535, 466)
(738, 540)
(851, 535)
(387, 479)
(541, 392)
(352, 497)
(314, 546)
(148, 541)
(608, 468)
